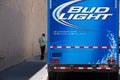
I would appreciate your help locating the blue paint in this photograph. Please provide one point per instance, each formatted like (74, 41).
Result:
(83, 33)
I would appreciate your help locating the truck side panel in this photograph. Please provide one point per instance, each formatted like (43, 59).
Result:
(83, 31)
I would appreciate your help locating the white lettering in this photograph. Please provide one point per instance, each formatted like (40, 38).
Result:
(83, 13)
(102, 10)
(105, 16)
(93, 16)
(85, 10)
(62, 16)
(80, 16)
(75, 9)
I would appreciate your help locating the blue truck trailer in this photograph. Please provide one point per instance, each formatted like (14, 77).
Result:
(83, 39)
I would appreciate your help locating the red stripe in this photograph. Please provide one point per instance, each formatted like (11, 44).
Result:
(90, 46)
(76, 67)
(54, 46)
(85, 68)
(63, 46)
(81, 46)
(57, 67)
(108, 46)
(99, 46)
(67, 68)
(103, 68)
(72, 46)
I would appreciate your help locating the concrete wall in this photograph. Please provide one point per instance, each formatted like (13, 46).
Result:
(21, 24)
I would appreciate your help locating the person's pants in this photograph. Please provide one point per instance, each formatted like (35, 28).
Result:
(42, 52)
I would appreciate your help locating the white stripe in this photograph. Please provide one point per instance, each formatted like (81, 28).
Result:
(95, 47)
(90, 68)
(83, 47)
(108, 68)
(104, 46)
(59, 46)
(62, 67)
(51, 46)
(76, 46)
(68, 47)
(98, 67)
(86, 46)
(55, 67)
(80, 67)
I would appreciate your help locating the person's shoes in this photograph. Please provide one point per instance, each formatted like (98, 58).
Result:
(41, 58)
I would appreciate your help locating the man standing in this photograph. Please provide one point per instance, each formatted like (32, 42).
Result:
(42, 41)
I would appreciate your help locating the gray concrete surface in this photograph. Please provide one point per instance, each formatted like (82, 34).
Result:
(22, 71)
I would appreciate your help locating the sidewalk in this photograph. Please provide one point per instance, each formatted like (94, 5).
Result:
(41, 75)
(24, 70)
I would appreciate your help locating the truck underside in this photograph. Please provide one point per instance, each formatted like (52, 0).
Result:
(83, 75)
(83, 72)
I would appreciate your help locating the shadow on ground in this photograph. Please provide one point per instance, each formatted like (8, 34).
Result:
(24, 70)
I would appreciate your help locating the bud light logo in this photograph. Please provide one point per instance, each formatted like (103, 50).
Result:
(74, 13)
(68, 11)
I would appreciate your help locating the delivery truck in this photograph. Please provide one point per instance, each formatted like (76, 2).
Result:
(83, 39)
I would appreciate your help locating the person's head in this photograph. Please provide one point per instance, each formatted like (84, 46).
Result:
(43, 34)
